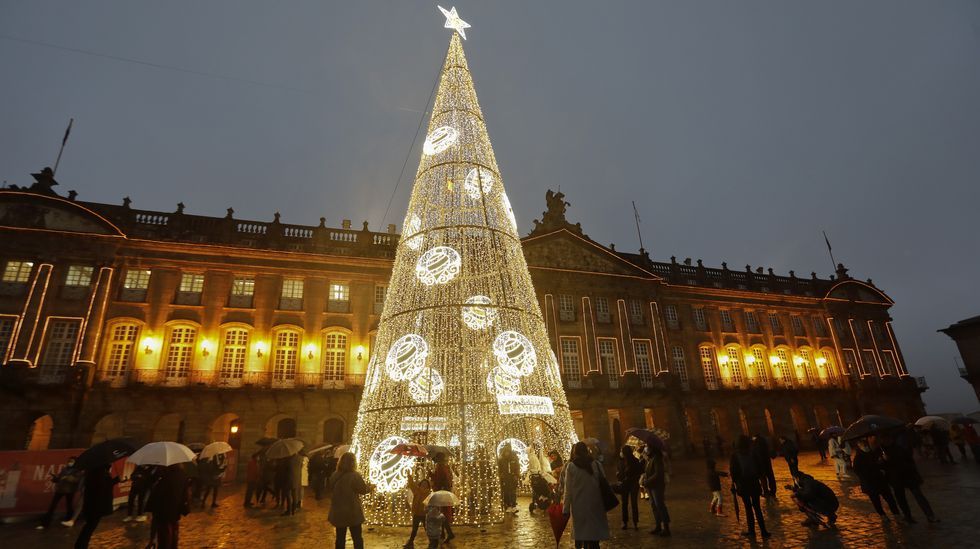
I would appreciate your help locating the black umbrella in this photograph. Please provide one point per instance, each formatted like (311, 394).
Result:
(871, 425)
(106, 452)
(266, 441)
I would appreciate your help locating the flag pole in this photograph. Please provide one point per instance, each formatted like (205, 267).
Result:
(62, 149)
(830, 251)
(636, 215)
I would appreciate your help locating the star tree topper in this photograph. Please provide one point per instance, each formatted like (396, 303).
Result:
(453, 21)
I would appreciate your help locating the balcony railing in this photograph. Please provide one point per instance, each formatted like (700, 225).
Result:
(228, 380)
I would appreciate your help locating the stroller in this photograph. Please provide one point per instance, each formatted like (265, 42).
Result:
(542, 496)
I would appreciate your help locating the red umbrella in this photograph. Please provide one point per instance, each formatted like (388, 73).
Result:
(559, 520)
(409, 449)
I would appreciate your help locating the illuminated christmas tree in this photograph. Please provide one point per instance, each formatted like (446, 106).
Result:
(462, 358)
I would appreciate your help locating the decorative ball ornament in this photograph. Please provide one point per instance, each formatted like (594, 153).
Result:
(476, 314)
(413, 224)
(406, 357)
(510, 211)
(440, 139)
(389, 472)
(514, 353)
(426, 387)
(519, 448)
(499, 382)
(438, 265)
(477, 180)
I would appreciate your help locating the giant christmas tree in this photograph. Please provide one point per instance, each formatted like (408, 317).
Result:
(462, 358)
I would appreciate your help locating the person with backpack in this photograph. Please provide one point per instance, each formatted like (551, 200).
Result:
(746, 472)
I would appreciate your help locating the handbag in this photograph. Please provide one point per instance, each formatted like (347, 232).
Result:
(609, 499)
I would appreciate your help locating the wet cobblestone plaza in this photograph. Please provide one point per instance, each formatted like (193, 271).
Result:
(952, 489)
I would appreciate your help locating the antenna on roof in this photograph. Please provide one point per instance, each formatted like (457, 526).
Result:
(636, 215)
(830, 251)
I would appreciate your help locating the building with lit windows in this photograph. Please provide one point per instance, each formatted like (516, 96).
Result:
(170, 326)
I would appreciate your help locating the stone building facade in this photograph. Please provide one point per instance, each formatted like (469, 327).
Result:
(966, 334)
(169, 326)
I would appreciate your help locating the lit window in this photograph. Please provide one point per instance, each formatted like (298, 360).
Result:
(285, 357)
(122, 339)
(79, 276)
(60, 344)
(751, 322)
(292, 288)
(777, 326)
(607, 358)
(828, 371)
(234, 352)
(136, 279)
(797, 325)
(17, 271)
(334, 356)
(782, 367)
(566, 308)
(636, 311)
(644, 365)
(726, 321)
(735, 365)
(243, 287)
(570, 359)
(192, 283)
(699, 319)
(761, 365)
(805, 372)
(380, 292)
(180, 352)
(670, 314)
(339, 292)
(708, 365)
(680, 366)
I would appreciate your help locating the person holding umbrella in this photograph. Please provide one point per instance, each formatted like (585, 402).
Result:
(346, 513)
(746, 472)
(628, 473)
(442, 479)
(874, 484)
(96, 502)
(169, 500)
(903, 475)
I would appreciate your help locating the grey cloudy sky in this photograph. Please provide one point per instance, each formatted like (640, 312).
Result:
(741, 129)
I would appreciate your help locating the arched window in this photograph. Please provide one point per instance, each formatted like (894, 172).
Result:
(335, 352)
(680, 366)
(181, 340)
(708, 365)
(781, 366)
(286, 428)
(119, 350)
(735, 366)
(285, 358)
(234, 352)
(828, 368)
(761, 365)
(40, 436)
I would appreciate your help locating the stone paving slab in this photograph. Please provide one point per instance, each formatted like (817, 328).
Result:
(953, 490)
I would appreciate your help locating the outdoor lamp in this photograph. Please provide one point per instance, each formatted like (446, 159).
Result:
(360, 352)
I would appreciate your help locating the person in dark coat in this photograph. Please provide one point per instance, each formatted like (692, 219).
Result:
(347, 487)
(509, 470)
(714, 486)
(820, 443)
(318, 470)
(814, 499)
(65, 486)
(655, 481)
(791, 453)
(940, 439)
(211, 471)
(746, 471)
(760, 449)
(140, 482)
(253, 480)
(96, 502)
(170, 499)
(628, 473)
(903, 475)
(868, 467)
(284, 485)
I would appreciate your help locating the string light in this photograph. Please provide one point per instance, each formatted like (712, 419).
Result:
(461, 331)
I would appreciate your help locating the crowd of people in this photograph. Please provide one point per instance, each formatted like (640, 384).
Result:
(883, 464)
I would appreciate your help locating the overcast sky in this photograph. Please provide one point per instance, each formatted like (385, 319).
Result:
(741, 129)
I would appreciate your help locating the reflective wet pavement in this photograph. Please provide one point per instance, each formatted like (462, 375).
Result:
(953, 491)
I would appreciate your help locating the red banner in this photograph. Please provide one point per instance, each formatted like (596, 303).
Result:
(25, 480)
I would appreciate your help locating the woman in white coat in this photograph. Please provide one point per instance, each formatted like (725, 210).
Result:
(583, 500)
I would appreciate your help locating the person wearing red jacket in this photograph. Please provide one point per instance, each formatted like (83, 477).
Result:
(252, 479)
